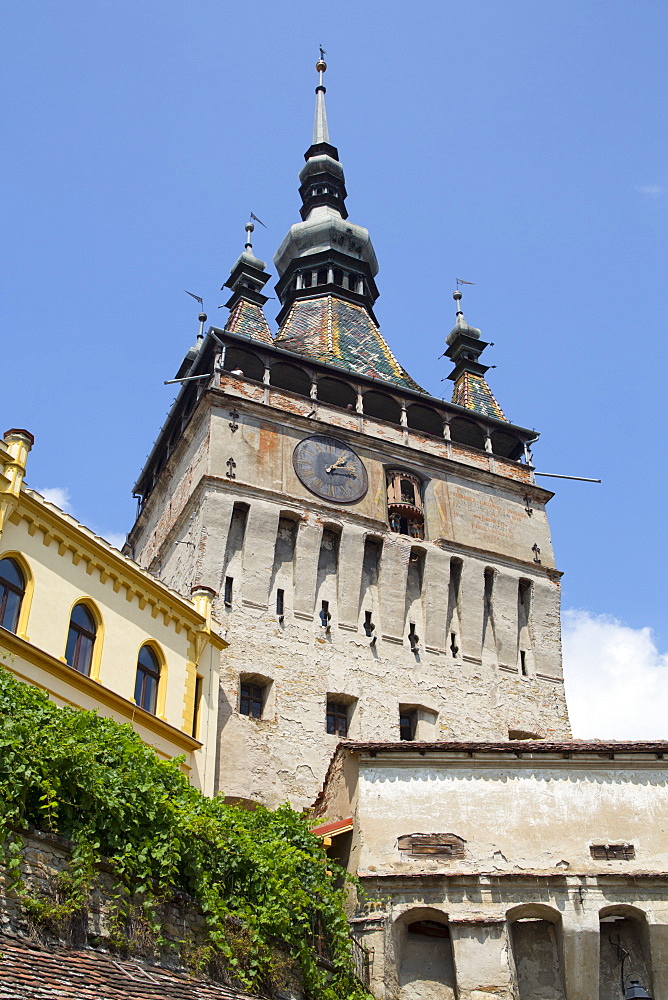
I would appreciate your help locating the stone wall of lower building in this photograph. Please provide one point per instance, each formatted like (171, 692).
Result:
(45, 860)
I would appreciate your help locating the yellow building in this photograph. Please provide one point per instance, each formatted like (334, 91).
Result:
(95, 630)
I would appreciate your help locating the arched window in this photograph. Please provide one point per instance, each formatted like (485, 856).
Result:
(239, 361)
(81, 639)
(423, 418)
(12, 589)
(148, 678)
(467, 432)
(333, 390)
(378, 404)
(285, 376)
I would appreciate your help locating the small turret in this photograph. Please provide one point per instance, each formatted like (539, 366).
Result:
(247, 279)
(464, 349)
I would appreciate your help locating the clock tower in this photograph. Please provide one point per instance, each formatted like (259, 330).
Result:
(381, 559)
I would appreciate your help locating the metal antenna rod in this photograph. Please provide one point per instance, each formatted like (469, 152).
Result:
(580, 479)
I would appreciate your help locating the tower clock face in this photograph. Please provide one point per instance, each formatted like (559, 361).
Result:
(330, 469)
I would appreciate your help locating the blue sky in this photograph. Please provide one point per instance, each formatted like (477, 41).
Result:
(519, 145)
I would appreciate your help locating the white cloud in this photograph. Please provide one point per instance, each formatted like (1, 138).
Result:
(115, 538)
(652, 190)
(616, 679)
(59, 495)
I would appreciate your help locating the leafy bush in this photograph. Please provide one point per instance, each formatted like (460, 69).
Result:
(262, 879)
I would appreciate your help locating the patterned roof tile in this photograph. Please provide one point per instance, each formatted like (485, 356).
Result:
(471, 390)
(248, 320)
(341, 333)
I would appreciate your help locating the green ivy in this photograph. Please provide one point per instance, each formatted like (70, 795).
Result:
(263, 881)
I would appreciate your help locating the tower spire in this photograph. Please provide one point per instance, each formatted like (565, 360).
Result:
(320, 129)
(327, 268)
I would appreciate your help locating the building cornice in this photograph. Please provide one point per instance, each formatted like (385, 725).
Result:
(113, 566)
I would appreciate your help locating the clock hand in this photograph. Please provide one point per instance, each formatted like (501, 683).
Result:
(336, 464)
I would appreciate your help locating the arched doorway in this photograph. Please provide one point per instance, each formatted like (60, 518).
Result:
(426, 966)
(535, 935)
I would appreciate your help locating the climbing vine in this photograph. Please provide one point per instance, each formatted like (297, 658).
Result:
(264, 884)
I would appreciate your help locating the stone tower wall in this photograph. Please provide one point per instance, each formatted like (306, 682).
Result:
(474, 577)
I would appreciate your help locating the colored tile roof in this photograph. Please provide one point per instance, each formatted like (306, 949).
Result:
(248, 320)
(341, 333)
(471, 390)
(31, 972)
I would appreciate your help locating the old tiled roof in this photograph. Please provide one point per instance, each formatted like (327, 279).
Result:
(248, 320)
(341, 333)
(471, 390)
(514, 746)
(30, 972)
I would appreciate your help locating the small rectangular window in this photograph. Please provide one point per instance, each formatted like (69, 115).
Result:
(229, 585)
(280, 603)
(199, 683)
(523, 662)
(251, 700)
(613, 852)
(407, 723)
(337, 718)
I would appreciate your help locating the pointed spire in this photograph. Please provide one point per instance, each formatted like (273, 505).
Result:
(464, 348)
(320, 130)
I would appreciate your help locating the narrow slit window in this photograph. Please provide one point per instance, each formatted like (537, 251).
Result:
(197, 710)
(325, 616)
(369, 626)
(229, 588)
(413, 638)
(454, 648)
(523, 662)
(407, 725)
(280, 603)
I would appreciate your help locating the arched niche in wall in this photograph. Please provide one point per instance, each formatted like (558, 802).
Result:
(424, 956)
(536, 942)
(467, 432)
(425, 419)
(284, 376)
(237, 359)
(382, 406)
(336, 392)
(624, 937)
(507, 445)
